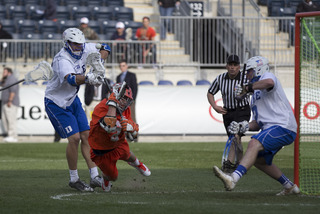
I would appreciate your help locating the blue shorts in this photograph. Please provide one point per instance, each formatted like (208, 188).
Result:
(68, 121)
(273, 139)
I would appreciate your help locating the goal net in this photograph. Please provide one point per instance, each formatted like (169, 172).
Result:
(307, 102)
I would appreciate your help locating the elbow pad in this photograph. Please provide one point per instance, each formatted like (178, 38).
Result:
(72, 80)
(108, 123)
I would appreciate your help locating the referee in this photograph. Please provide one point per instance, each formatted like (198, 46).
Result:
(232, 110)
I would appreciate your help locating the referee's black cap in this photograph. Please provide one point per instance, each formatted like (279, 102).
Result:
(233, 58)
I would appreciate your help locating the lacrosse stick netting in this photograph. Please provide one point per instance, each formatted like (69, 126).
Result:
(42, 71)
(94, 60)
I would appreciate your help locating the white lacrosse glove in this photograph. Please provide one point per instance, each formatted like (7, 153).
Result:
(237, 90)
(93, 79)
(238, 128)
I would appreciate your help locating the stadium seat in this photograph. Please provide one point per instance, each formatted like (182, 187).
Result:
(263, 2)
(133, 25)
(48, 26)
(108, 26)
(3, 12)
(274, 7)
(102, 13)
(52, 48)
(123, 13)
(97, 3)
(95, 25)
(26, 26)
(16, 12)
(64, 24)
(111, 3)
(80, 11)
(184, 82)
(63, 13)
(32, 11)
(9, 25)
(75, 3)
(203, 82)
(165, 82)
(146, 82)
(32, 2)
(33, 50)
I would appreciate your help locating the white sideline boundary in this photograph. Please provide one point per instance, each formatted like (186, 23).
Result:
(142, 139)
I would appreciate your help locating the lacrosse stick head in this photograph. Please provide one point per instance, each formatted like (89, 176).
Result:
(94, 60)
(42, 71)
(124, 94)
(128, 34)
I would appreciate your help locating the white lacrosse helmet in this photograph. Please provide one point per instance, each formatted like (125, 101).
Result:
(259, 64)
(73, 35)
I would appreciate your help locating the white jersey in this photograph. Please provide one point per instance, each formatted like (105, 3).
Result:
(58, 89)
(272, 107)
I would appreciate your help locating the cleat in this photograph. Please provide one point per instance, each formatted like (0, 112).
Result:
(143, 169)
(294, 190)
(105, 187)
(96, 182)
(229, 184)
(81, 186)
(228, 167)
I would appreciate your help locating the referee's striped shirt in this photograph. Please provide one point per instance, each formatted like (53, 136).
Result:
(226, 86)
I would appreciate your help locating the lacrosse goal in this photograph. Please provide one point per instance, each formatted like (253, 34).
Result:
(307, 102)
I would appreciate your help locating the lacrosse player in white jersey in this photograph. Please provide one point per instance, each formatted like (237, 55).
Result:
(63, 105)
(272, 114)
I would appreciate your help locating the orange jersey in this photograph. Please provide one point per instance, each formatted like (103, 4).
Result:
(99, 139)
(145, 34)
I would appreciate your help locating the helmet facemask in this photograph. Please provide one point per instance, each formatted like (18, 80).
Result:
(74, 42)
(126, 99)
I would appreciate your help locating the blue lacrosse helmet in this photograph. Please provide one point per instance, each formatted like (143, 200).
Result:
(105, 47)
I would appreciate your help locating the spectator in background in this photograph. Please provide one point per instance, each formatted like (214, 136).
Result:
(131, 79)
(3, 45)
(88, 32)
(146, 33)
(166, 8)
(120, 49)
(307, 6)
(50, 12)
(10, 104)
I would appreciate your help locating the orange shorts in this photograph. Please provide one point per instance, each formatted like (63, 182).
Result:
(107, 162)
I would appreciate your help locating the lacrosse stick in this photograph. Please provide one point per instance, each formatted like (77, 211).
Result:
(240, 97)
(226, 151)
(42, 71)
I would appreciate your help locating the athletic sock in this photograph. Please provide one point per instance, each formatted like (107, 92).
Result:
(136, 162)
(73, 175)
(286, 183)
(238, 173)
(93, 172)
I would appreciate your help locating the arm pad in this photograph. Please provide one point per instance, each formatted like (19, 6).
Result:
(72, 79)
(108, 123)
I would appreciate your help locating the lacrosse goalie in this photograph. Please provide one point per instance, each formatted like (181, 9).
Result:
(63, 105)
(111, 124)
(273, 116)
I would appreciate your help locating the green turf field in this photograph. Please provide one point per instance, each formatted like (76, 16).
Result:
(34, 179)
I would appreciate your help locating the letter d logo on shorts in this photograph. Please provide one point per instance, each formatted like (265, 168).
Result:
(68, 129)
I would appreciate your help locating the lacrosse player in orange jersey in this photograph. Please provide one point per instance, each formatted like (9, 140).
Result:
(111, 124)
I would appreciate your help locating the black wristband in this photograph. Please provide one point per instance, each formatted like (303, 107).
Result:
(250, 89)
